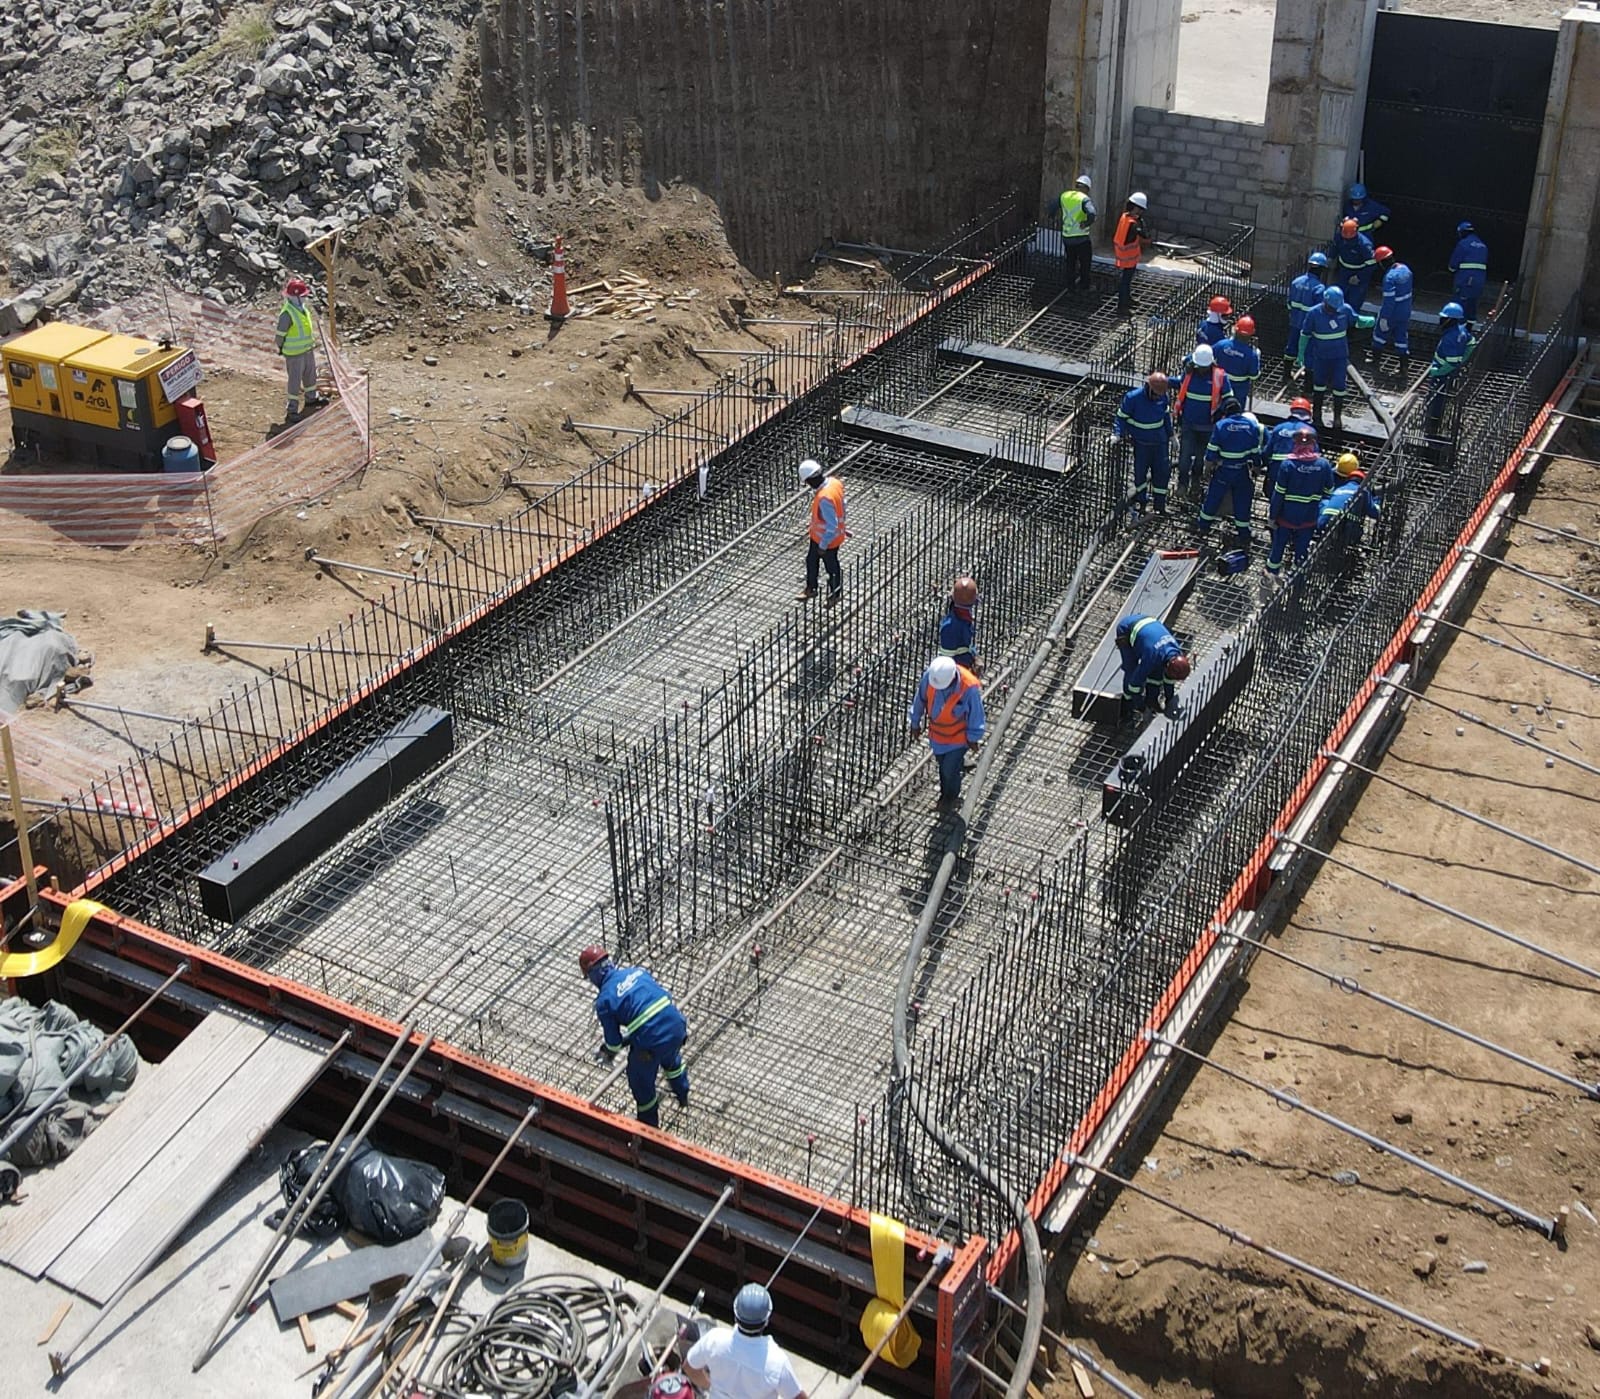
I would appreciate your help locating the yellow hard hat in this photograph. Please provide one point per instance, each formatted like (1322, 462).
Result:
(1348, 464)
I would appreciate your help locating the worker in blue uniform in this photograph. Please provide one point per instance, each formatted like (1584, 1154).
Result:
(1305, 479)
(1469, 266)
(1239, 359)
(1394, 316)
(1450, 356)
(637, 1014)
(1354, 262)
(1280, 441)
(1305, 295)
(1325, 345)
(1350, 504)
(1153, 664)
(1194, 407)
(958, 626)
(1213, 327)
(949, 704)
(1144, 418)
(1234, 449)
(1369, 215)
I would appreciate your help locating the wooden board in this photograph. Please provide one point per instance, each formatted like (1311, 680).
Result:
(944, 441)
(320, 1285)
(177, 1181)
(65, 1199)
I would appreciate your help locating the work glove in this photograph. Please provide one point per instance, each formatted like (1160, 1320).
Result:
(605, 1057)
(916, 731)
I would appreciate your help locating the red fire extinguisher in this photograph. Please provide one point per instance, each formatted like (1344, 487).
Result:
(192, 418)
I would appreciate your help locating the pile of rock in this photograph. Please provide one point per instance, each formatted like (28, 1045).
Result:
(204, 141)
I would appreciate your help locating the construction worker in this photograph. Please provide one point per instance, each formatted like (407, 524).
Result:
(949, 700)
(1394, 316)
(1195, 406)
(1449, 357)
(297, 343)
(1469, 265)
(1325, 349)
(957, 631)
(1153, 664)
(1077, 219)
(1235, 447)
(1350, 503)
(825, 531)
(634, 1011)
(1127, 245)
(1305, 479)
(1212, 328)
(744, 1362)
(1369, 215)
(1280, 441)
(1305, 295)
(1239, 359)
(1353, 262)
(1144, 418)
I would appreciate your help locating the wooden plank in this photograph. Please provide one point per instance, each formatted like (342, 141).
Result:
(55, 1323)
(306, 1338)
(312, 1288)
(178, 1181)
(73, 1193)
(939, 439)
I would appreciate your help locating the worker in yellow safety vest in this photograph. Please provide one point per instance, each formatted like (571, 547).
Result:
(297, 343)
(1077, 219)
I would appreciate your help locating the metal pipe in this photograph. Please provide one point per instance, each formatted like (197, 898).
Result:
(1544, 1225)
(312, 556)
(1076, 1352)
(1472, 718)
(1566, 534)
(502, 525)
(941, 1257)
(1462, 812)
(414, 1285)
(1537, 577)
(214, 643)
(1396, 888)
(32, 1120)
(66, 701)
(1523, 651)
(49, 805)
(1289, 1260)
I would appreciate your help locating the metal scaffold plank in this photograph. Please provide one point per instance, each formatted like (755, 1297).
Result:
(1158, 592)
(915, 434)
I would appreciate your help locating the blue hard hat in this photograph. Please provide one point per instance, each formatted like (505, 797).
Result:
(1465, 226)
(1333, 298)
(1453, 311)
(752, 1307)
(1358, 190)
(1317, 260)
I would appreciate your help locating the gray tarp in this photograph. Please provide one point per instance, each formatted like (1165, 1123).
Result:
(34, 653)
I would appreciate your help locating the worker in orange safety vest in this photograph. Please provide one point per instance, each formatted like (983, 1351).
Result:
(949, 703)
(1127, 244)
(825, 531)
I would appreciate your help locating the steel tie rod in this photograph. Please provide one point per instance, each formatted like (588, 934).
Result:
(1394, 887)
(1471, 718)
(1539, 578)
(1432, 618)
(312, 556)
(1572, 536)
(1546, 1226)
(1075, 1351)
(1461, 811)
(1289, 1260)
(941, 1258)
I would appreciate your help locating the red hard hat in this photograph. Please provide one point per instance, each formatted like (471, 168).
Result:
(590, 958)
(295, 287)
(1245, 325)
(964, 591)
(1178, 668)
(1221, 305)
(1300, 405)
(671, 1385)
(1349, 228)
(1383, 254)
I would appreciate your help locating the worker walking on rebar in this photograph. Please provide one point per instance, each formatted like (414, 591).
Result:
(825, 531)
(1153, 664)
(1077, 224)
(743, 1362)
(957, 628)
(1305, 479)
(1369, 215)
(1195, 407)
(1450, 356)
(1325, 346)
(637, 1014)
(1235, 447)
(297, 343)
(1305, 295)
(1469, 266)
(949, 703)
(1127, 245)
(1144, 418)
(1212, 326)
(1280, 441)
(1394, 316)
(1239, 359)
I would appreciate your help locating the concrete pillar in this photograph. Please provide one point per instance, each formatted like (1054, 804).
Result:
(1103, 58)
(1321, 50)
(1562, 253)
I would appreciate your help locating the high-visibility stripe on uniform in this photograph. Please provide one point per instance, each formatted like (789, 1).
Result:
(654, 1008)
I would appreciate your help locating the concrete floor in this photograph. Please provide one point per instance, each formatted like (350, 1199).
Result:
(146, 1350)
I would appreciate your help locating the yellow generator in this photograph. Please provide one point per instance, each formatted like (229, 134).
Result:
(96, 397)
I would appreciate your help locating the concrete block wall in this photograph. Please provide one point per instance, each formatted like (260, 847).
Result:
(1202, 173)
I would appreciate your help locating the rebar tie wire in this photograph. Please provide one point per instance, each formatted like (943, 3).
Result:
(1292, 1102)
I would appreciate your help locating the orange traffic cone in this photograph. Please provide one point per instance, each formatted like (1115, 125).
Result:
(559, 309)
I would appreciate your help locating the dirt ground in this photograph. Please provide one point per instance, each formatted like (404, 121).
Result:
(1184, 1312)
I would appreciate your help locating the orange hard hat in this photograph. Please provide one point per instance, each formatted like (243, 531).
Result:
(1245, 325)
(1178, 668)
(1300, 405)
(1221, 305)
(1349, 228)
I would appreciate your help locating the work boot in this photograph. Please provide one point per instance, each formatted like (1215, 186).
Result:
(805, 595)
(1317, 419)
(832, 600)
(1338, 416)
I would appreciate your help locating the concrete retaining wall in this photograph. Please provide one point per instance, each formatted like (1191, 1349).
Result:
(1202, 174)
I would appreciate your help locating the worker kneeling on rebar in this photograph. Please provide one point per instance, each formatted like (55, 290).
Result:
(634, 1010)
(1153, 665)
(949, 700)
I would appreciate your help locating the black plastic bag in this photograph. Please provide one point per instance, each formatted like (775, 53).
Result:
(387, 1198)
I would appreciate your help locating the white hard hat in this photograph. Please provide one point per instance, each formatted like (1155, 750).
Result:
(1139, 199)
(1084, 181)
(810, 470)
(1203, 357)
(941, 672)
